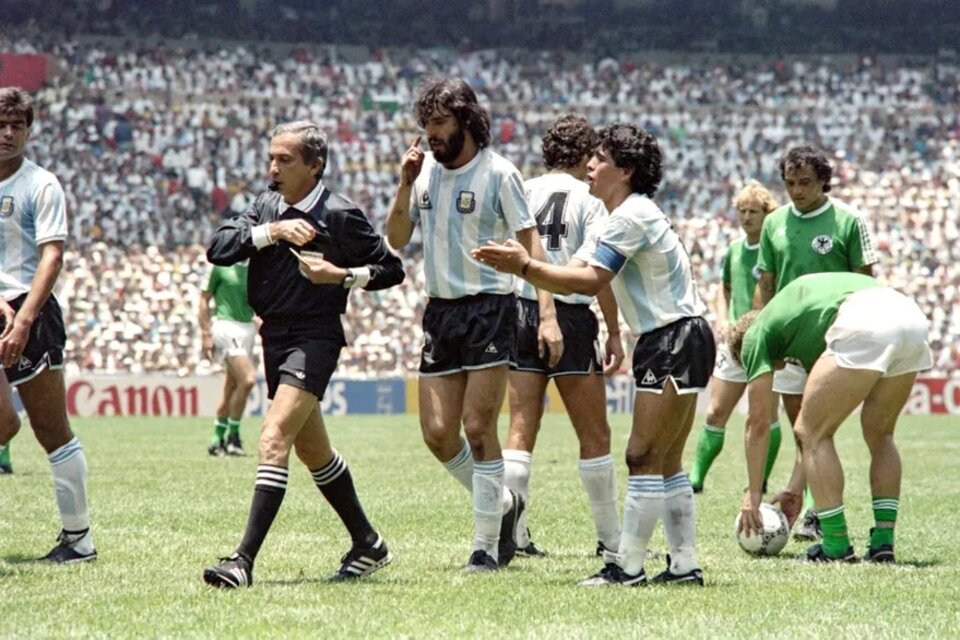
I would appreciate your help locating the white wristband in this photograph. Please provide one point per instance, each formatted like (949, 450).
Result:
(260, 235)
(359, 277)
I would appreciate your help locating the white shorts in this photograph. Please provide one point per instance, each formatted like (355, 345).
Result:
(727, 367)
(790, 380)
(881, 330)
(232, 338)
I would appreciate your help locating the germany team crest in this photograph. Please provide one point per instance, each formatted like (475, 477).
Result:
(822, 244)
(6, 206)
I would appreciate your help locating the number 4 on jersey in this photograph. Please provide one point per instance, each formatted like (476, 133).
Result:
(550, 222)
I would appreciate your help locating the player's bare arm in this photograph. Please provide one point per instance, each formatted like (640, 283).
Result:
(723, 308)
(203, 315)
(766, 288)
(756, 443)
(511, 257)
(399, 225)
(613, 353)
(7, 312)
(549, 337)
(48, 269)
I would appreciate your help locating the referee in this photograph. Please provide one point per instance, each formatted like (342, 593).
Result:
(307, 248)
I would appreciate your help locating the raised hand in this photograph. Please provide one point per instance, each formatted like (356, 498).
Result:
(411, 163)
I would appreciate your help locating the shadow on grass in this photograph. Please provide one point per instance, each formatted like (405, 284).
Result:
(19, 558)
(799, 558)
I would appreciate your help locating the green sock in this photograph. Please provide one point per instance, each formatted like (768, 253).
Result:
(5, 454)
(773, 449)
(808, 499)
(234, 426)
(833, 524)
(884, 511)
(219, 428)
(709, 445)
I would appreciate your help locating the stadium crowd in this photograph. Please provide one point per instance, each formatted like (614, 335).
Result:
(155, 147)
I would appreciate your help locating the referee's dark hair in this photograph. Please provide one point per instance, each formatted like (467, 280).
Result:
(567, 140)
(808, 156)
(313, 141)
(455, 96)
(633, 147)
(14, 101)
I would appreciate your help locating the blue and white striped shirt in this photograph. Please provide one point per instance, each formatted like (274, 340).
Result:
(569, 220)
(462, 209)
(655, 285)
(32, 212)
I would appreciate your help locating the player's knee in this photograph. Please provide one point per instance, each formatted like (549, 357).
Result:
(273, 446)
(595, 440)
(9, 426)
(643, 459)
(876, 438)
(436, 438)
(717, 416)
(808, 436)
(479, 422)
(246, 383)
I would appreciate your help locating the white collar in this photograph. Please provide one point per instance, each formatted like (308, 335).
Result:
(308, 203)
(811, 214)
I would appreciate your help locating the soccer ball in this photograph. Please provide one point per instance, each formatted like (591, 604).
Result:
(772, 539)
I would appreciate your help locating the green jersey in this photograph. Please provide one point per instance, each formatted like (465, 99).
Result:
(792, 326)
(831, 238)
(740, 273)
(229, 288)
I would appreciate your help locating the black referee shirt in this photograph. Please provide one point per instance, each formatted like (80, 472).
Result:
(275, 289)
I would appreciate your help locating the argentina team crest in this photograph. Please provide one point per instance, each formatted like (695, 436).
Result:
(466, 202)
(6, 206)
(822, 244)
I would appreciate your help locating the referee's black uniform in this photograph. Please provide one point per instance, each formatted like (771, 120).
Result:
(302, 331)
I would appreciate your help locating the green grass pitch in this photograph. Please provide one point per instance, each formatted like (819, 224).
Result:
(163, 509)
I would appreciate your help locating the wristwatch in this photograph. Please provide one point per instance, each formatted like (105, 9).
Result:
(350, 280)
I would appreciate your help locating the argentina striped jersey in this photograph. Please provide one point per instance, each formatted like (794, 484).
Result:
(655, 285)
(32, 212)
(568, 219)
(462, 209)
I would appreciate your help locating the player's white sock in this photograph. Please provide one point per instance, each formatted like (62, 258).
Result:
(460, 466)
(487, 489)
(599, 478)
(641, 510)
(680, 523)
(516, 476)
(69, 467)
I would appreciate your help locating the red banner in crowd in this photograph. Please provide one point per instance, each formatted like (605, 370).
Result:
(26, 70)
(934, 396)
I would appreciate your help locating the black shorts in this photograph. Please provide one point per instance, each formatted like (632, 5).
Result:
(474, 332)
(579, 327)
(44, 348)
(683, 350)
(298, 357)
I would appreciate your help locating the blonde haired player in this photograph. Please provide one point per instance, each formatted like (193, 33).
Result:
(740, 275)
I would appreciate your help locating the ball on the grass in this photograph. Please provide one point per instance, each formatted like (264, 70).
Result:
(773, 538)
